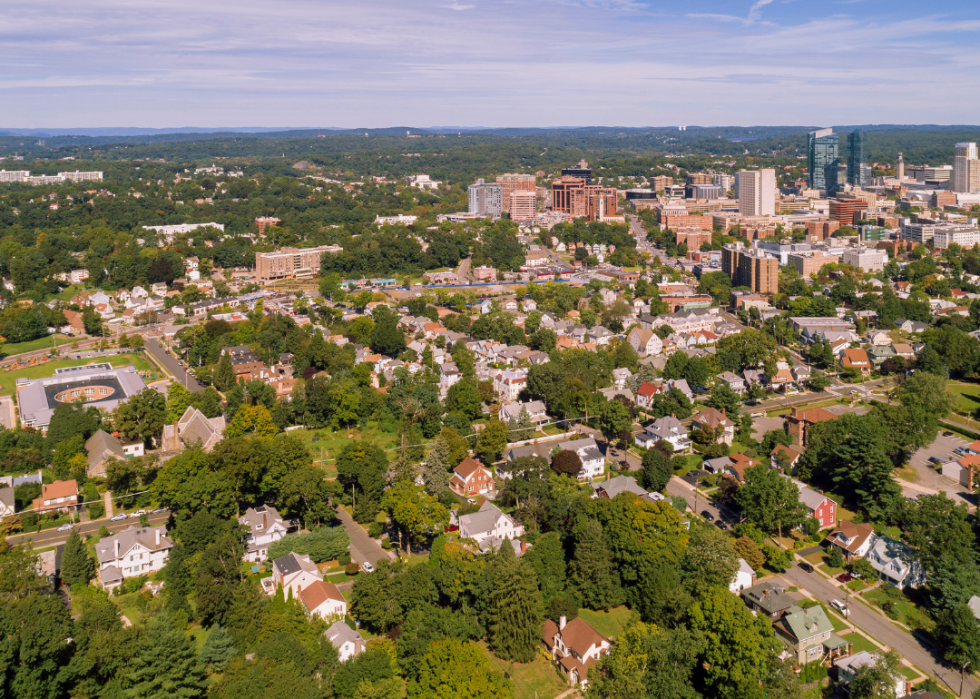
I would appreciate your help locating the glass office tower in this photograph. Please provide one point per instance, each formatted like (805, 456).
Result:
(821, 151)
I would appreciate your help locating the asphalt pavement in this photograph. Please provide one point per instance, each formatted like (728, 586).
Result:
(52, 537)
(362, 546)
(173, 366)
(882, 630)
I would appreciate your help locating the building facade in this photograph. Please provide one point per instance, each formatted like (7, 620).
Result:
(486, 198)
(513, 183)
(757, 192)
(750, 267)
(966, 169)
(291, 262)
(821, 159)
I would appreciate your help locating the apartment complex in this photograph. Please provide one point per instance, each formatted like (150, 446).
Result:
(864, 259)
(757, 192)
(966, 169)
(750, 267)
(291, 262)
(523, 205)
(60, 178)
(513, 183)
(964, 236)
(572, 196)
(810, 263)
(486, 198)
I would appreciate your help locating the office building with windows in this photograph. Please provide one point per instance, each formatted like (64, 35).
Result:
(486, 198)
(757, 192)
(582, 171)
(966, 169)
(513, 183)
(821, 159)
(858, 172)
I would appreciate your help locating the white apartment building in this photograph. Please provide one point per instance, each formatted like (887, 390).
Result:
(757, 192)
(25, 176)
(132, 552)
(486, 198)
(390, 220)
(964, 236)
(864, 259)
(966, 169)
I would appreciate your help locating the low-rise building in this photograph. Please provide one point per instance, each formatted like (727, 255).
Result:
(668, 429)
(849, 666)
(896, 563)
(349, 643)
(58, 496)
(471, 478)
(132, 552)
(324, 600)
(294, 573)
(489, 522)
(854, 540)
(265, 525)
(809, 634)
(576, 647)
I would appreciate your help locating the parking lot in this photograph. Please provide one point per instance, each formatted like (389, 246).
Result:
(929, 476)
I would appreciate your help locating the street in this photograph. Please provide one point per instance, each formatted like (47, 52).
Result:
(362, 546)
(171, 365)
(880, 628)
(50, 537)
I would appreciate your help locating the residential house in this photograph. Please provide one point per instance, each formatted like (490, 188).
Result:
(8, 504)
(645, 394)
(896, 563)
(734, 382)
(75, 324)
(911, 326)
(103, 447)
(788, 455)
(58, 496)
(489, 522)
(158, 288)
(848, 667)
(349, 643)
(903, 350)
(668, 429)
(740, 464)
(964, 470)
(528, 305)
(645, 342)
(535, 410)
(879, 355)
(809, 634)
(744, 577)
(593, 461)
(576, 647)
(681, 385)
(621, 376)
(879, 338)
(799, 422)
(132, 552)
(193, 428)
(719, 422)
(294, 573)
(716, 465)
(471, 478)
(265, 525)
(856, 359)
(324, 600)
(509, 384)
(854, 540)
(768, 599)
(818, 505)
(614, 486)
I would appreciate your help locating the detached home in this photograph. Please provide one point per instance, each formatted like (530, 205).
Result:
(471, 478)
(576, 647)
(489, 522)
(132, 552)
(324, 600)
(348, 642)
(265, 525)
(294, 573)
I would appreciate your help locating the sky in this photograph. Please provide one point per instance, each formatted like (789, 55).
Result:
(500, 63)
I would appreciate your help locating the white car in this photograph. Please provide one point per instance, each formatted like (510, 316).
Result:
(159, 510)
(138, 513)
(367, 567)
(118, 518)
(65, 528)
(840, 607)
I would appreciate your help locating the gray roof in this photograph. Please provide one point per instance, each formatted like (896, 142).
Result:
(806, 623)
(482, 520)
(7, 498)
(293, 563)
(101, 446)
(36, 402)
(612, 392)
(718, 464)
(617, 485)
(768, 597)
(513, 410)
(105, 550)
(340, 633)
(264, 515)
(543, 449)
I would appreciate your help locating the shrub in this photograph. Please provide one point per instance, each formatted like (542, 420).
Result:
(351, 568)
(323, 544)
(566, 461)
(376, 530)
(835, 559)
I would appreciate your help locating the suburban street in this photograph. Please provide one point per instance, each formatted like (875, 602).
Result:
(880, 628)
(362, 546)
(463, 272)
(51, 537)
(171, 365)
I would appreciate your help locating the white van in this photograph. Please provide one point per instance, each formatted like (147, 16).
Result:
(840, 607)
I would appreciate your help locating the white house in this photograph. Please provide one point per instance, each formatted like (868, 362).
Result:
(645, 342)
(294, 573)
(79, 275)
(139, 292)
(489, 522)
(132, 552)
(348, 642)
(847, 670)
(158, 288)
(744, 577)
(265, 525)
(509, 384)
(667, 428)
(593, 462)
(324, 600)
(896, 563)
(576, 647)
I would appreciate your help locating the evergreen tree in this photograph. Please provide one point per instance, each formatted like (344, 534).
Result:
(523, 427)
(515, 602)
(224, 375)
(177, 576)
(593, 571)
(217, 650)
(437, 467)
(165, 665)
(77, 567)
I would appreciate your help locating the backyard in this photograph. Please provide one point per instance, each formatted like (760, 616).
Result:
(330, 443)
(537, 679)
(611, 623)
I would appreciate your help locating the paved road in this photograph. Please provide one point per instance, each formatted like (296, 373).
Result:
(362, 547)
(171, 365)
(50, 537)
(464, 268)
(881, 629)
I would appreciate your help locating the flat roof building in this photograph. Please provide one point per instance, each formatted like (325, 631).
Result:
(291, 262)
(97, 385)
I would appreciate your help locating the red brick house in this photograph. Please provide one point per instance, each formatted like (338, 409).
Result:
(471, 478)
(799, 422)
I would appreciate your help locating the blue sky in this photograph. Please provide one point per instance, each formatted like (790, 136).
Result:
(375, 63)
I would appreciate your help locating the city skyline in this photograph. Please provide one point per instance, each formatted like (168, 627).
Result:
(622, 62)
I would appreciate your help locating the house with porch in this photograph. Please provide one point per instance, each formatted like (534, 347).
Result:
(265, 526)
(809, 635)
(854, 540)
(576, 647)
(668, 429)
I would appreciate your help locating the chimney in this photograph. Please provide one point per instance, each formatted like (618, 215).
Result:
(117, 546)
(523, 546)
(796, 412)
(561, 622)
(263, 520)
(158, 536)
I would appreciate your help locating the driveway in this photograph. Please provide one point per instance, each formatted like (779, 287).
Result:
(362, 547)
(928, 478)
(171, 365)
(880, 628)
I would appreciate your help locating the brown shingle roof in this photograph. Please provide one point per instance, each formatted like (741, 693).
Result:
(318, 593)
(468, 467)
(579, 636)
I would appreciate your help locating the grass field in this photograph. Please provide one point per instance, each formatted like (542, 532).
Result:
(330, 443)
(609, 623)
(905, 610)
(8, 378)
(537, 679)
(12, 348)
(968, 396)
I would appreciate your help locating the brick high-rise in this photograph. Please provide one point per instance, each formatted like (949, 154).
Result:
(750, 267)
(513, 183)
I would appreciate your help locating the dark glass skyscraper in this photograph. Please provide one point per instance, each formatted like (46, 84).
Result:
(857, 168)
(821, 159)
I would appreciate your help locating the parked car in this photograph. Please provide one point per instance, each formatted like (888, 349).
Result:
(947, 434)
(845, 577)
(937, 460)
(65, 528)
(138, 513)
(806, 567)
(367, 567)
(159, 510)
(708, 516)
(840, 607)
(118, 518)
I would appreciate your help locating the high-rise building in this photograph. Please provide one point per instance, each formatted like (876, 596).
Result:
(966, 169)
(843, 209)
(757, 192)
(570, 195)
(750, 267)
(582, 170)
(486, 198)
(858, 172)
(821, 159)
(900, 172)
(513, 183)
(724, 181)
(523, 205)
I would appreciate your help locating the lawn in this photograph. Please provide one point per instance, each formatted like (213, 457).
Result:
(905, 611)
(838, 621)
(611, 623)
(330, 443)
(537, 679)
(861, 643)
(820, 559)
(8, 378)
(49, 342)
(909, 673)
(968, 397)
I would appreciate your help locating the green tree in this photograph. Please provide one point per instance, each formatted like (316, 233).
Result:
(770, 501)
(464, 398)
(36, 660)
(457, 669)
(748, 550)
(165, 664)
(593, 569)
(386, 338)
(615, 419)
(177, 576)
(436, 473)
(724, 398)
(77, 567)
(492, 440)
(709, 562)
(142, 416)
(515, 604)
(217, 650)
(657, 470)
(362, 467)
(739, 647)
(217, 582)
(521, 428)
(414, 512)
(566, 462)
(959, 634)
(877, 680)
(224, 373)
